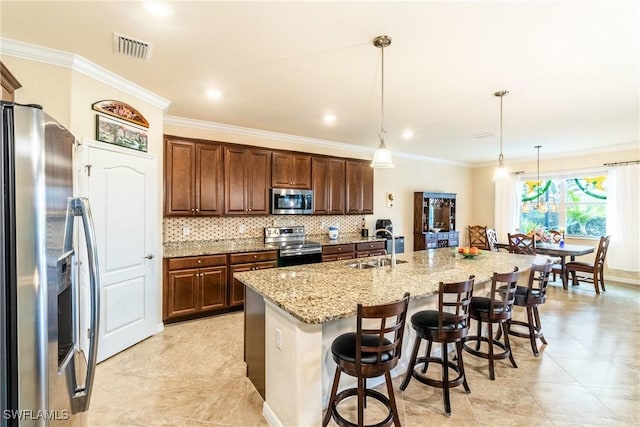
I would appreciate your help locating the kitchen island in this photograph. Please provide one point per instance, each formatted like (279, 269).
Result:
(293, 314)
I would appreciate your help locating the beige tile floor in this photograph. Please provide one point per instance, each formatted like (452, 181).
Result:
(192, 374)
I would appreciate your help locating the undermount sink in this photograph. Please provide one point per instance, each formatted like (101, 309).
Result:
(362, 265)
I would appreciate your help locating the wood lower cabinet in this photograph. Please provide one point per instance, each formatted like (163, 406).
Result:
(338, 252)
(359, 187)
(247, 261)
(194, 285)
(371, 249)
(247, 179)
(328, 185)
(290, 170)
(193, 178)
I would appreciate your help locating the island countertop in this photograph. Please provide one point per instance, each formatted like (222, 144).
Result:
(319, 293)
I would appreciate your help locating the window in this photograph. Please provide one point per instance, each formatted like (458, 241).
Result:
(576, 203)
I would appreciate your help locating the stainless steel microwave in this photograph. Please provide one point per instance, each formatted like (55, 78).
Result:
(289, 201)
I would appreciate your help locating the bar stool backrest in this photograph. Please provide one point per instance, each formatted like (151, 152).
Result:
(387, 323)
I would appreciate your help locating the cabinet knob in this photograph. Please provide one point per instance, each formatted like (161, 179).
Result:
(199, 261)
(339, 249)
(193, 210)
(255, 256)
(197, 210)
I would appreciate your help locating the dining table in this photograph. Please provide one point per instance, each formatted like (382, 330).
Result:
(560, 251)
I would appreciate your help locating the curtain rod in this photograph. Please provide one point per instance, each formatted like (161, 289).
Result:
(631, 162)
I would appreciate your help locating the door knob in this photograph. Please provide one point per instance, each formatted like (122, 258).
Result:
(150, 256)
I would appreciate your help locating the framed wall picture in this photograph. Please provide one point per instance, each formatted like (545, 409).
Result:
(120, 110)
(119, 133)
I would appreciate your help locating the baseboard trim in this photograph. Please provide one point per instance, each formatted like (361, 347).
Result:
(270, 416)
(626, 280)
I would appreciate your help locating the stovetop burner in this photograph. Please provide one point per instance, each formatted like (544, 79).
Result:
(291, 241)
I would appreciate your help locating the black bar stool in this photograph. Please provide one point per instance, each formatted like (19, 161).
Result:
(530, 297)
(449, 324)
(368, 353)
(497, 308)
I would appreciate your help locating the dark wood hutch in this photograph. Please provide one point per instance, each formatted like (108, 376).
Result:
(434, 220)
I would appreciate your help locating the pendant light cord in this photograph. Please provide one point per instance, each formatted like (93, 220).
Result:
(382, 131)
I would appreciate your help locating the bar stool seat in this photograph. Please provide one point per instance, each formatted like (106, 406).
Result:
(372, 351)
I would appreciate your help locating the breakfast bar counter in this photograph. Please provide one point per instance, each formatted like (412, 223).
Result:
(292, 315)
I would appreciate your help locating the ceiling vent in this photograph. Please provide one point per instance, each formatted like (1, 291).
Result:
(133, 48)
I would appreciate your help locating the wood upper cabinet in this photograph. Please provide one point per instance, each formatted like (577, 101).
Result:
(193, 178)
(290, 170)
(359, 188)
(328, 185)
(247, 174)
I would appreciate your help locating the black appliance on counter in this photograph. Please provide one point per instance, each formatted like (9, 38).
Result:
(388, 225)
(292, 246)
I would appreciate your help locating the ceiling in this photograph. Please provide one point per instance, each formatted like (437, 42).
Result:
(571, 68)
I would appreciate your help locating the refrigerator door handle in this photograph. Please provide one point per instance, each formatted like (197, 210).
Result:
(81, 395)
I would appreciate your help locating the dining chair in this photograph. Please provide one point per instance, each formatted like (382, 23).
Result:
(596, 269)
(448, 324)
(373, 350)
(521, 244)
(492, 239)
(478, 237)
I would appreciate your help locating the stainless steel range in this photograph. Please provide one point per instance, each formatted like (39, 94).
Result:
(293, 248)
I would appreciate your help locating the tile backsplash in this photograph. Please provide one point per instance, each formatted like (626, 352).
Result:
(185, 229)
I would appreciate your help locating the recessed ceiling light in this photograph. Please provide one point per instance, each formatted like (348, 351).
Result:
(329, 119)
(214, 94)
(407, 134)
(158, 8)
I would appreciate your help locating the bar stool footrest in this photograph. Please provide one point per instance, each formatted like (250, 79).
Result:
(497, 356)
(433, 382)
(341, 421)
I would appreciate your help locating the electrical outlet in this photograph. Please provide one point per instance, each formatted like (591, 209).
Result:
(278, 339)
(242, 229)
(186, 231)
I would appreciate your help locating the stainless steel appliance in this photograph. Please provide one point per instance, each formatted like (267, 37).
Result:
(39, 317)
(399, 240)
(293, 248)
(290, 201)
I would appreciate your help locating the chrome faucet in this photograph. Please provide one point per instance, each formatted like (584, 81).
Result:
(393, 245)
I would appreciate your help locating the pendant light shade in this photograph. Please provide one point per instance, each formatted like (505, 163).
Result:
(501, 173)
(382, 155)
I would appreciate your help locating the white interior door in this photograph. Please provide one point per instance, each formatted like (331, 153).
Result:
(121, 187)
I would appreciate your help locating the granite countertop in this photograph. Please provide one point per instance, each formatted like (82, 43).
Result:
(319, 293)
(216, 247)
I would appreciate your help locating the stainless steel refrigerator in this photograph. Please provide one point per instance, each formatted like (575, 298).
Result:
(45, 378)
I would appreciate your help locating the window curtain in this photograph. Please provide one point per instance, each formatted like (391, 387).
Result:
(623, 207)
(506, 209)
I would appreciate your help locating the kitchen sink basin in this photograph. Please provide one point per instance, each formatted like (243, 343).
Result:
(362, 265)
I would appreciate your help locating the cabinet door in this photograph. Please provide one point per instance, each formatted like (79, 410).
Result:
(258, 170)
(359, 188)
(301, 171)
(179, 176)
(353, 188)
(366, 180)
(208, 185)
(213, 288)
(336, 186)
(236, 295)
(337, 257)
(320, 185)
(234, 181)
(181, 293)
(281, 170)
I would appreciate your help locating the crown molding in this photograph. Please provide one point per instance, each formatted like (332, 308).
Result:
(285, 137)
(583, 152)
(59, 58)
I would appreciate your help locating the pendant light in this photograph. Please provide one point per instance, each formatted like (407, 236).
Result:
(501, 173)
(382, 155)
(542, 206)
